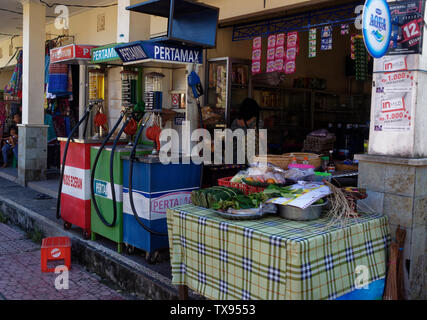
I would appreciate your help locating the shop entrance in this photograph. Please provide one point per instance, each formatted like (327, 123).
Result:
(317, 77)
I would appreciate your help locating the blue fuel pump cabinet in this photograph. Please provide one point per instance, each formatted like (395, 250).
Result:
(156, 187)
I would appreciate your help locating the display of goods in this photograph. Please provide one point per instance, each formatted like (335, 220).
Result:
(312, 40)
(326, 38)
(246, 189)
(281, 161)
(256, 55)
(312, 158)
(319, 144)
(207, 197)
(361, 60)
(310, 83)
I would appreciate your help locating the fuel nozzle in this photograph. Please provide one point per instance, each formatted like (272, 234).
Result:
(128, 109)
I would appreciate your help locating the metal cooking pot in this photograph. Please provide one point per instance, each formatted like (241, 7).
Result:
(313, 212)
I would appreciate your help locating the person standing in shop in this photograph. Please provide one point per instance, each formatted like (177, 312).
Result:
(247, 118)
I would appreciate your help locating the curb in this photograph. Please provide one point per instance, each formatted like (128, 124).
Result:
(124, 272)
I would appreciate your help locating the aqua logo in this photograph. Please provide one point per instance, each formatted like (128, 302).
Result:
(377, 35)
(378, 22)
(378, 11)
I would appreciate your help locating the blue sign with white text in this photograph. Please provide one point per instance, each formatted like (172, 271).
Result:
(161, 51)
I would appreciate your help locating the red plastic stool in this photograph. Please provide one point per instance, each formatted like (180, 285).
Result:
(55, 248)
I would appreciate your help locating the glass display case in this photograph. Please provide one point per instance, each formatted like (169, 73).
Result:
(228, 83)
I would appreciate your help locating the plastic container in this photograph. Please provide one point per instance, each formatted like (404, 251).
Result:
(301, 166)
(320, 176)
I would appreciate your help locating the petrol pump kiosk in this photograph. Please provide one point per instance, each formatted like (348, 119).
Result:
(149, 186)
(74, 198)
(106, 208)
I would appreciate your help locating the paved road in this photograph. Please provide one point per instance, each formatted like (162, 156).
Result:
(22, 279)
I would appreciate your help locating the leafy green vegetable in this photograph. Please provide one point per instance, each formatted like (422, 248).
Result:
(241, 202)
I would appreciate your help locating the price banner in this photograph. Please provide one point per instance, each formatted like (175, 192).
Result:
(394, 100)
(409, 15)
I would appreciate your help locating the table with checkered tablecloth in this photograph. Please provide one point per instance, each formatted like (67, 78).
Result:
(273, 258)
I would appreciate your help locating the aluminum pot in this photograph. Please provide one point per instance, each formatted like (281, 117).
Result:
(313, 212)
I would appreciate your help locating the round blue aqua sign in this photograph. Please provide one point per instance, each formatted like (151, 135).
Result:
(376, 27)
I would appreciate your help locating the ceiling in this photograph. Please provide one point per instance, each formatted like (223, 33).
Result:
(11, 23)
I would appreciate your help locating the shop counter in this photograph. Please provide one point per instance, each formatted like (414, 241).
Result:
(274, 258)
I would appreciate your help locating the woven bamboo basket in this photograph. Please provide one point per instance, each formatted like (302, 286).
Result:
(313, 159)
(280, 161)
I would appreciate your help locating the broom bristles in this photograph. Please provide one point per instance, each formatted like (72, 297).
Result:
(400, 238)
(390, 292)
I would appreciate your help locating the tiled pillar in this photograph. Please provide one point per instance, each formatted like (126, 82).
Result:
(32, 157)
(32, 153)
(397, 187)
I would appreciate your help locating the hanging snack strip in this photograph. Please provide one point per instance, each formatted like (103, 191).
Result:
(279, 52)
(345, 29)
(292, 50)
(271, 53)
(256, 55)
(361, 60)
(326, 42)
(312, 42)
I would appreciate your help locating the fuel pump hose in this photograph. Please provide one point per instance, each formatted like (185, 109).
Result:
(132, 204)
(92, 178)
(64, 159)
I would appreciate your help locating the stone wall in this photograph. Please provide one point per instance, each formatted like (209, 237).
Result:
(397, 187)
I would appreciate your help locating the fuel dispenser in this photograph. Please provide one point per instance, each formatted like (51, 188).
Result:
(74, 198)
(107, 166)
(150, 187)
(73, 202)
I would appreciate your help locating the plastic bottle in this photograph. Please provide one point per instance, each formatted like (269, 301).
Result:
(294, 160)
(347, 142)
(325, 162)
(339, 140)
(305, 160)
(331, 163)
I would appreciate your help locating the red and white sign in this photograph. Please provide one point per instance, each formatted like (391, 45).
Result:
(76, 183)
(395, 63)
(71, 52)
(394, 97)
(393, 105)
(411, 30)
(75, 196)
(55, 253)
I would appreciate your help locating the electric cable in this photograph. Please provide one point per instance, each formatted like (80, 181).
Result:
(132, 159)
(113, 189)
(64, 160)
(76, 5)
(92, 177)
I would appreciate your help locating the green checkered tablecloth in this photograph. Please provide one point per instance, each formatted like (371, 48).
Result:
(273, 258)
